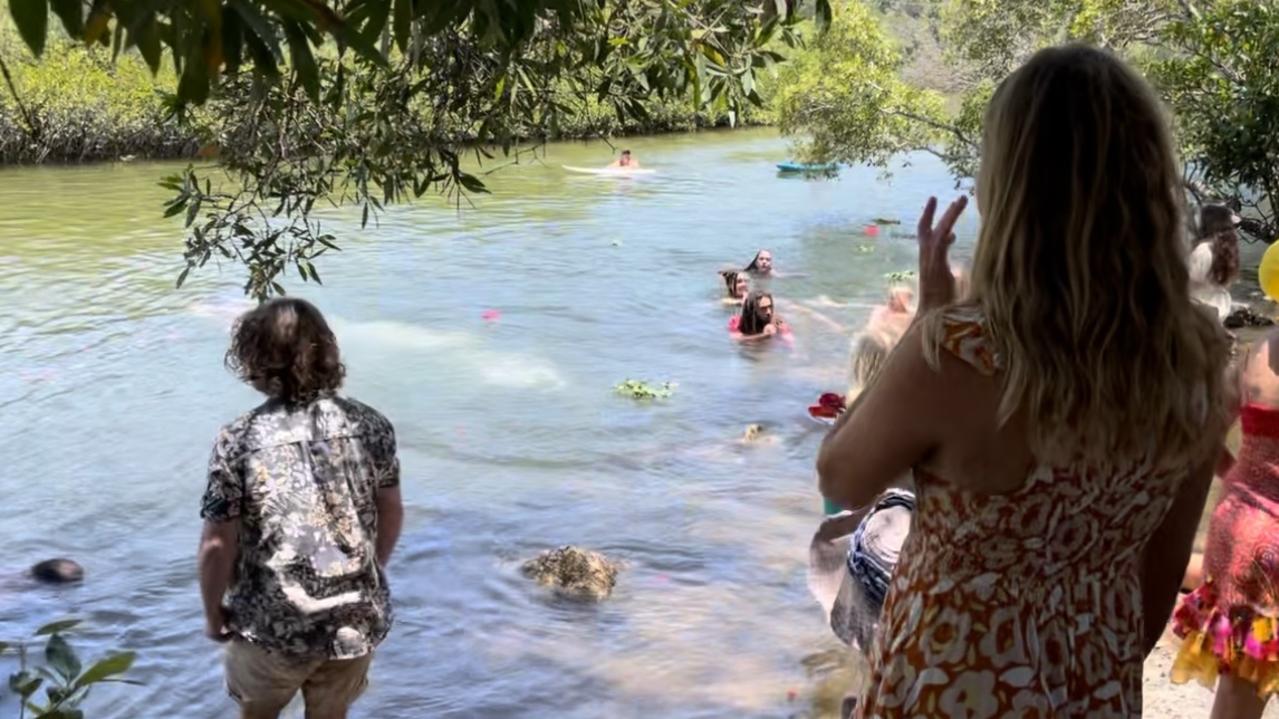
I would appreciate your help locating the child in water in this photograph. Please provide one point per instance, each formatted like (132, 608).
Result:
(1230, 624)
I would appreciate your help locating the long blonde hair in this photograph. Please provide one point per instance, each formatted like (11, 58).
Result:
(1080, 269)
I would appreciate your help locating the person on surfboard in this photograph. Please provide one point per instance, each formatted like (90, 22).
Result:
(626, 160)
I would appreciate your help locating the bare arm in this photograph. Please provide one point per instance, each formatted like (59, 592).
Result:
(886, 432)
(219, 548)
(1166, 553)
(390, 520)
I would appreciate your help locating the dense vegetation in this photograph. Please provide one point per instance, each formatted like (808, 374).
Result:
(375, 101)
(863, 96)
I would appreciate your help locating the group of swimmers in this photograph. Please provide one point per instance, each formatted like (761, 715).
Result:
(758, 318)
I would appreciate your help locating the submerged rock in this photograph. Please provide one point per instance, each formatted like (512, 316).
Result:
(574, 572)
(1246, 317)
(57, 571)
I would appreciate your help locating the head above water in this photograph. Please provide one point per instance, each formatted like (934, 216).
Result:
(736, 284)
(1080, 264)
(285, 349)
(901, 298)
(757, 313)
(625, 158)
(762, 263)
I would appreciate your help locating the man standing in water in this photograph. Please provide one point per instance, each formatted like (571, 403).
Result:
(301, 513)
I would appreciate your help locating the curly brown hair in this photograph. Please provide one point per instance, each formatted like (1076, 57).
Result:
(285, 349)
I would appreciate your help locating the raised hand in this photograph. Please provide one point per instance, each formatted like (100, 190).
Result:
(936, 281)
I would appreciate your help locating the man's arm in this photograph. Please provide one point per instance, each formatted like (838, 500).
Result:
(219, 547)
(390, 519)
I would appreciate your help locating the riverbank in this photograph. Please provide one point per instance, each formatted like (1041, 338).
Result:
(78, 105)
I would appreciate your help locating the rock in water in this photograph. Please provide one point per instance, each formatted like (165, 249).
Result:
(574, 572)
(1245, 317)
(57, 571)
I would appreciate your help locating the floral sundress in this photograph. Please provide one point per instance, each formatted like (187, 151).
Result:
(1020, 604)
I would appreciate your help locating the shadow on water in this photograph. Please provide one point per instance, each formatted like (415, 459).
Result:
(493, 339)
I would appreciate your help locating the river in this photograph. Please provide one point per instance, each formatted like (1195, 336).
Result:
(511, 438)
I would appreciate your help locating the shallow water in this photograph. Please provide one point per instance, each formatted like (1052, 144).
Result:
(512, 441)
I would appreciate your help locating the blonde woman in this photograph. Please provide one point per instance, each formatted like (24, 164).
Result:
(1061, 421)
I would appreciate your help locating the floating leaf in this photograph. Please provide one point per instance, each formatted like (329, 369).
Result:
(57, 627)
(639, 389)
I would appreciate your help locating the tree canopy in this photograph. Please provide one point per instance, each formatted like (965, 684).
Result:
(1214, 62)
(369, 102)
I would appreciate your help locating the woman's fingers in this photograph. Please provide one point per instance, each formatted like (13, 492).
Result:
(952, 214)
(926, 219)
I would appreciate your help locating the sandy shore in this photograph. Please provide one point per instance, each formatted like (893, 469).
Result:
(1166, 700)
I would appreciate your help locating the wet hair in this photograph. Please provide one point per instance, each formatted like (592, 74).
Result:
(869, 354)
(1080, 269)
(730, 281)
(626, 152)
(1217, 225)
(57, 571)
(754, 265)
(285, 349)
(750, 322)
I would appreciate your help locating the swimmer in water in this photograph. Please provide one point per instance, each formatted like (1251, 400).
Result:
(757, 319)
(625, 160)
(761, 265)
(737, 285)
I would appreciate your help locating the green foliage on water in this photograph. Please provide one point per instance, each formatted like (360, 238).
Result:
(640, 389)
(62, 675)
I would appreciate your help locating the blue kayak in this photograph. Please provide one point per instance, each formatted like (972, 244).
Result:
(807, 167)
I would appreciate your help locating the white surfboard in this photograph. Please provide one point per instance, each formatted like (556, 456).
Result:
(610, 171)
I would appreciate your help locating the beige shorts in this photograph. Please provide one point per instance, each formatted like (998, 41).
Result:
(264, 681)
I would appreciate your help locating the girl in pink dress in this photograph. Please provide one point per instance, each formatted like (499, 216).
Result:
(1230, 624)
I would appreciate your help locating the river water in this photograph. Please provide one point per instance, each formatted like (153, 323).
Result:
(511, 438)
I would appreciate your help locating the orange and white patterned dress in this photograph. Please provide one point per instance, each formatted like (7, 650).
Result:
(1021, 604)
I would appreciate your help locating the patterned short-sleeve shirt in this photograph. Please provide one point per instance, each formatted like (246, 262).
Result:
(303, 479)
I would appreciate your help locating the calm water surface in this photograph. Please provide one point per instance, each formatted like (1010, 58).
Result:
(512, 441)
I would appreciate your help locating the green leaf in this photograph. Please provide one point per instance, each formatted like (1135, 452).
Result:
(823, 15)
(148, 42)
(232, 40)
(24, 683)
(182, 277)
(61, 657)
(57, 627)
(71, 14)
(263, 58)
(194, 84)
(472, 183)
(107, 667)
(400, 24)
(32, 19)
(314, 275)
(303, 60)
(379, 12)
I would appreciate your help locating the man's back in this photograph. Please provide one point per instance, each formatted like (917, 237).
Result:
(303, 479)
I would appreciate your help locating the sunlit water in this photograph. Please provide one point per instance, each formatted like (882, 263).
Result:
(512, 440)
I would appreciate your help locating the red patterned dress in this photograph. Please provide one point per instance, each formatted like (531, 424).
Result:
(1019, 604)
(1229, 624)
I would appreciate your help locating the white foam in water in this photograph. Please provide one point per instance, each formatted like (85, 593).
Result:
(505, 369)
